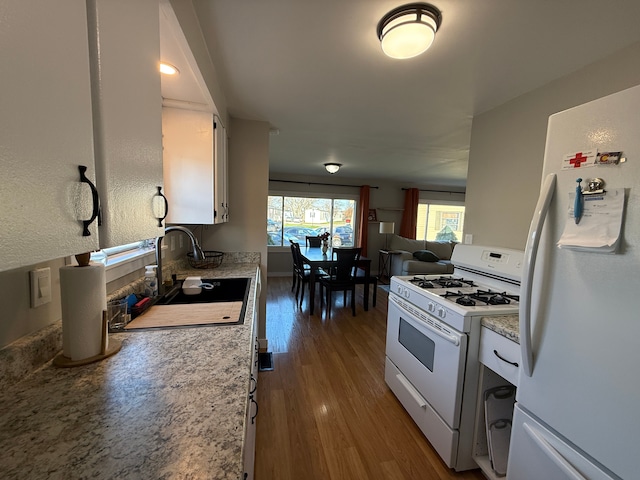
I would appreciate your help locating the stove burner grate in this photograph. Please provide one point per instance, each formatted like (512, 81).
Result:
(442, 282)
(497, 298)
(463, 298)
(486, 297)
(422, 282)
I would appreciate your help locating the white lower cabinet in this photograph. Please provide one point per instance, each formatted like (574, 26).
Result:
(499, 363)
(252, 409)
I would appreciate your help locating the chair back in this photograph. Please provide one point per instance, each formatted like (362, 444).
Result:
(297, 257)
(346, 263)
(314, 241)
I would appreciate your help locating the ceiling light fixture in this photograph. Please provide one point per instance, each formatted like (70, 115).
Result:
(332, 167)
(409, 30)
(168, 69)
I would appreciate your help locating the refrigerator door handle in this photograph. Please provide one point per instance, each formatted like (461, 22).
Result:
(530, 253)
(552, 453)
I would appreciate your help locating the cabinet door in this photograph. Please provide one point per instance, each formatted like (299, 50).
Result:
(187, 138)
(221, 173)
(125, 46)
(252, 404)
(45, 123)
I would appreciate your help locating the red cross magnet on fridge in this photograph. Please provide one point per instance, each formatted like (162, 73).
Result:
(577, 160)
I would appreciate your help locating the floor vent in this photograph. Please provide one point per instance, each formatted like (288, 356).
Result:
(265, 361)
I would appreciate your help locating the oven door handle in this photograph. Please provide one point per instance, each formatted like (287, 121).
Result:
(449, 338)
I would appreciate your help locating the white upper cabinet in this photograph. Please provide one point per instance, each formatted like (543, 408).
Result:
(221, 176)
(193, 136)
(195, 166)
(188, 143)
(80, 87)
(127, 114)
(46, 131)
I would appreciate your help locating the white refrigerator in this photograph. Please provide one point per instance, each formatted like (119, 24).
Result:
(577, 414)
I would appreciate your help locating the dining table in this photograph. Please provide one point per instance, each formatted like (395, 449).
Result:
(316, 258)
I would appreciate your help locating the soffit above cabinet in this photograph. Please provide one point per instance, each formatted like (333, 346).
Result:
(187, 87)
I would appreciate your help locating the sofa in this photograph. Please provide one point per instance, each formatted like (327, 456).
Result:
(419, 257)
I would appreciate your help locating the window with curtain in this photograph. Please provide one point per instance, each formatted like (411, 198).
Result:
(292, 217)
(440, 222)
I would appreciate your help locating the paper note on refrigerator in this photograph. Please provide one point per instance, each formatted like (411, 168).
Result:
(600, 224)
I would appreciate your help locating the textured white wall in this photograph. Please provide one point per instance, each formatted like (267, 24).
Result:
(507, 148)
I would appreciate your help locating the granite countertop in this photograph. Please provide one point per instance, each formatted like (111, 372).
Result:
(170, 404)
(505, 325)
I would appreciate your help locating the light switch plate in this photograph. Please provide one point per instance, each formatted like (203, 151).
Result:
(468, 239)
(40, 286)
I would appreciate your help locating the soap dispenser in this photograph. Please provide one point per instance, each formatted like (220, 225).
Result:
(150, 281)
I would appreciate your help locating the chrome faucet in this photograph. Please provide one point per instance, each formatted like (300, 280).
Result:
(198, 254)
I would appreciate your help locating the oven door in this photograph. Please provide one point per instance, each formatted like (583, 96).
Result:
(430, 355)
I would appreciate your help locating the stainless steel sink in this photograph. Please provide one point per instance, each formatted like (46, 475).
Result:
(224, 290)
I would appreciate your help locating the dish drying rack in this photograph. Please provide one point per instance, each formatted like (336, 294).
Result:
(212, 259)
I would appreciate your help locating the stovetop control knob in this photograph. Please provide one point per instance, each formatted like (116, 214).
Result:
(431, 307)
(442, 312)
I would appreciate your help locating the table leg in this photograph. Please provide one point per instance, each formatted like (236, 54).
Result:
(312, 289)
(366, 294)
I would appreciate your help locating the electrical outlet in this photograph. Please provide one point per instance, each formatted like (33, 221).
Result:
(40, 286)
(468, 239)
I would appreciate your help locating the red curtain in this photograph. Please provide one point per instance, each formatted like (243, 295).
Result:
(410, 213)
(363, 219)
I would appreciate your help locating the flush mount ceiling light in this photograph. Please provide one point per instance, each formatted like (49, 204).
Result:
(332, 167)
(409, 30)
(168, 69)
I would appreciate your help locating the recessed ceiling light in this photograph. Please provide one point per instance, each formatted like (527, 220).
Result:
(168, 69)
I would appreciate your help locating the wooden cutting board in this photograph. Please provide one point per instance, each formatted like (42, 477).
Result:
(184, 315)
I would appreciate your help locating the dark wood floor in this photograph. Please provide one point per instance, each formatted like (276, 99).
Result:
(325, 411)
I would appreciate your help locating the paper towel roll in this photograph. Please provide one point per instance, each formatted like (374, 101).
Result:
(83, 292)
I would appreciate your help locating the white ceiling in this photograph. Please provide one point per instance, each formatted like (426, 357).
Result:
(315, 71)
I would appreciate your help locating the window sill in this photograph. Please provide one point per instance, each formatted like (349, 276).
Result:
(128, 262)
(124, 263)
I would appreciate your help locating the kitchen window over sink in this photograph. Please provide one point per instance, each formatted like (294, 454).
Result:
(293, 218)
(124, 259)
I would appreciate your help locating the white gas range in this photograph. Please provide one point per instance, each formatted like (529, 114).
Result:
(433, 335)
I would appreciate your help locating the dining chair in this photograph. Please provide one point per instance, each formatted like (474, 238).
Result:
(314, 241)
(342, 277)
(294, 274)
(301, 271)
(367, 281)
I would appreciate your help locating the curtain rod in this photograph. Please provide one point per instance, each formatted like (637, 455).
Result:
(319, 183)
(438, 191)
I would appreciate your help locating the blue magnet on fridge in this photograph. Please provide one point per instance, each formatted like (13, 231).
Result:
(578, 204)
